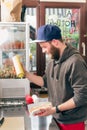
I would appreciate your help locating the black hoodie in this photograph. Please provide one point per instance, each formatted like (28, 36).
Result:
(65, 79)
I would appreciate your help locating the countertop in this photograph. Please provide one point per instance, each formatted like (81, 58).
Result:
(28, 123)
(19, 119)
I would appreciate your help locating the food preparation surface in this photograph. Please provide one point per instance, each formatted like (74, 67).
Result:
(13, 123)
(29, 123)
(19, 119)
(33, 123)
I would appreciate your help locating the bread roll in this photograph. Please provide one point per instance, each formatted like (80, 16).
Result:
(35, 109)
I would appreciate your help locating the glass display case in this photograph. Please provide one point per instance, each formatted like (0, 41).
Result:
(14, 40)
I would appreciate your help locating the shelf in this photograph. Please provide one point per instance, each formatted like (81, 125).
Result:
(11, 50)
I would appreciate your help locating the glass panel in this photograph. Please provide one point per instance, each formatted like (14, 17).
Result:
(68, 21)
(12, 42)
(30, 16)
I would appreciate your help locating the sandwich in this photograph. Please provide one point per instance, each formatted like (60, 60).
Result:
(35, 108)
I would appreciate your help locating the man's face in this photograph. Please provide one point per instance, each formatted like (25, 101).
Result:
(49, 49)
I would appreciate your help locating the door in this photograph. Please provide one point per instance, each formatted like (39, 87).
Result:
(70, 18)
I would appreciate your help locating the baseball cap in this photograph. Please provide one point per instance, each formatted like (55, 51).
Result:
(47, 33)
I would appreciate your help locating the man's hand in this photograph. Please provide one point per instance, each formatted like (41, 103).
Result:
(46, 111)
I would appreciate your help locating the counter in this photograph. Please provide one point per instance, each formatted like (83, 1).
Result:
(16, 117)
(19, 119)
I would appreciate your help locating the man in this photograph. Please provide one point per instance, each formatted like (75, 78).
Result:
(65, 78)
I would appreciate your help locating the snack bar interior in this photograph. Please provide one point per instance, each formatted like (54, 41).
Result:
(20, 98)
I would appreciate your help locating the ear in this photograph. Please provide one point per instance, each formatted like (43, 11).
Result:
(55, 43)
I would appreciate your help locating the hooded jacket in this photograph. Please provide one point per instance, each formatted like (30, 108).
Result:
(65, 79)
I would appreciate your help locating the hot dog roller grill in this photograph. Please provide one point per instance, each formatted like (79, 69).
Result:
(12, 98)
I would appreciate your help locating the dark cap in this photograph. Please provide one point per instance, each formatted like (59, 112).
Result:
(47, 33)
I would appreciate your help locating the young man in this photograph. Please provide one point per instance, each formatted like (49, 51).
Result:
(65, 78)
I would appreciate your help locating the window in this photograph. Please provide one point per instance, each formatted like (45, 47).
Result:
(68, 20)
(31, 18)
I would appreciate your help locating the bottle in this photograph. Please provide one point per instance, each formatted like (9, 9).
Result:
(35, 98)
(18, 67)
(29, 99)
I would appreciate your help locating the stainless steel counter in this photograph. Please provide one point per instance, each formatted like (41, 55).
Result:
(16, 115)
(20, 120)
(41, 123)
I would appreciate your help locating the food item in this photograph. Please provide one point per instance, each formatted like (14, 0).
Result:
(7, 71)
(35, 108)
(12, 45)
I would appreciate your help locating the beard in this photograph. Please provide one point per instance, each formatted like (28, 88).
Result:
(55, 53)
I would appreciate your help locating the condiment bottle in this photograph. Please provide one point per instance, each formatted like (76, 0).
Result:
(18, 67)
(29, 99)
